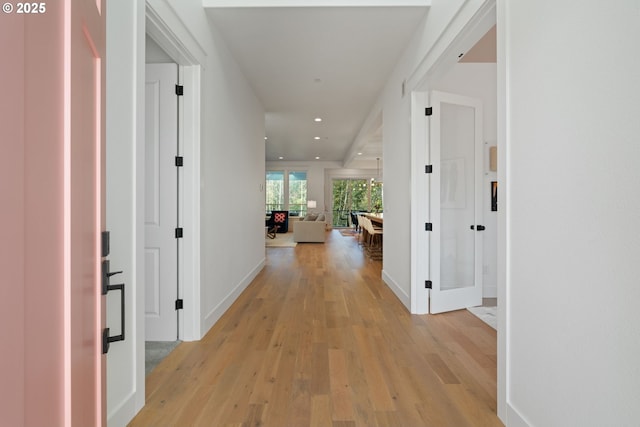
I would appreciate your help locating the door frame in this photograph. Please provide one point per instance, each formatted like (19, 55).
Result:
(162, 25)
(490, 13)
(420, 155)
(161, 21)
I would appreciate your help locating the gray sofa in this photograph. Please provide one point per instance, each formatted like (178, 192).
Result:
(312, 228)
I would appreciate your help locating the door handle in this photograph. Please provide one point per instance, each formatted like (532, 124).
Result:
(106, 275)
(106, 338)
(478, 227)
(106, 287)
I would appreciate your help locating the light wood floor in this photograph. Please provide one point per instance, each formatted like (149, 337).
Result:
(319, 340)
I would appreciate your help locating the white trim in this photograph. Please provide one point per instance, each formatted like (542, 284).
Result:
(216, 313)
(125, 411)
(125, 214)
(489, 291)
(503, 219)
(396, 289)
(514, 419)
(420, 206)
(183, 48)
(191, 212)
(163, 26)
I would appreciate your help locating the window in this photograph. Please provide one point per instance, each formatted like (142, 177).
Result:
(298, 193)
(354, 195)
(286, 190)
(274, 191)
(376, 196)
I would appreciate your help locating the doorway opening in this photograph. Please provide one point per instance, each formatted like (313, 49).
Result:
(458, 71)
(351, 195)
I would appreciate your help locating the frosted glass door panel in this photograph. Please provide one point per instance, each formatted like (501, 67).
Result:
(457, 196)
(455, 199)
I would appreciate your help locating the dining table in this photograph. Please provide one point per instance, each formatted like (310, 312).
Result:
(375, 217)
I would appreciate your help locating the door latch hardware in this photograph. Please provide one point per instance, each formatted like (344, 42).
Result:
(106, 275)
(106, 338)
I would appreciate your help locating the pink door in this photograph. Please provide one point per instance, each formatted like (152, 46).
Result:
(85, 186)
(51, 132)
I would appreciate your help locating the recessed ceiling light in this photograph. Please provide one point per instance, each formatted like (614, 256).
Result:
(317, 158)
(316, 138)
(265, 138)
(281, 158)
(359, 154)
(317, 119)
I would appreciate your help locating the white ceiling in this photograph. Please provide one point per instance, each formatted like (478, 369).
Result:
(307, 62)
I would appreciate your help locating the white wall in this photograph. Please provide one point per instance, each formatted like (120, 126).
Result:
(479, 81)
(441, 26)
(232, 172)
(572, 85)
(232, 163)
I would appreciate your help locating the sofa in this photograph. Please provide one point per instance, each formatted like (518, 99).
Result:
(311, 228)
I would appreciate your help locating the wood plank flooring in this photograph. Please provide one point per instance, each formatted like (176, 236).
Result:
(319, 340)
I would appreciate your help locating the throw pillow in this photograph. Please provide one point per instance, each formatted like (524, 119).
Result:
(311, 217)
(320, 217)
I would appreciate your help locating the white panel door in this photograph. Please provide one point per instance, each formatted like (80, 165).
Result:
(161, 200)
(455, 144)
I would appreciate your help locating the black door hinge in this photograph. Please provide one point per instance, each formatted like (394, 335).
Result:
(179, 161)
(179, 90)
(179, 304)
(428, 226)
(428, 284)
(428, 111)
(428, 169)
(179, 233)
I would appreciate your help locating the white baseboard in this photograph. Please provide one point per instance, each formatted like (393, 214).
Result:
(124, 413)
(514, 419)
(214, 315)
(490, 291)
(400, 293)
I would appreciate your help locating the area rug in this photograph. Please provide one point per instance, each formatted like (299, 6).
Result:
(155, 351)
(282, 240)
(347, 232)
(487, 314)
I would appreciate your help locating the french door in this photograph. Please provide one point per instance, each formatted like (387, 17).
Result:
(455, 146)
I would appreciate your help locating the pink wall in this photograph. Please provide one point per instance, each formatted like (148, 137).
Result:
(12, 367)
(31, 392)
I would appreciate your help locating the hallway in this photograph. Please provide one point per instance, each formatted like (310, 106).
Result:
(319, 340)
